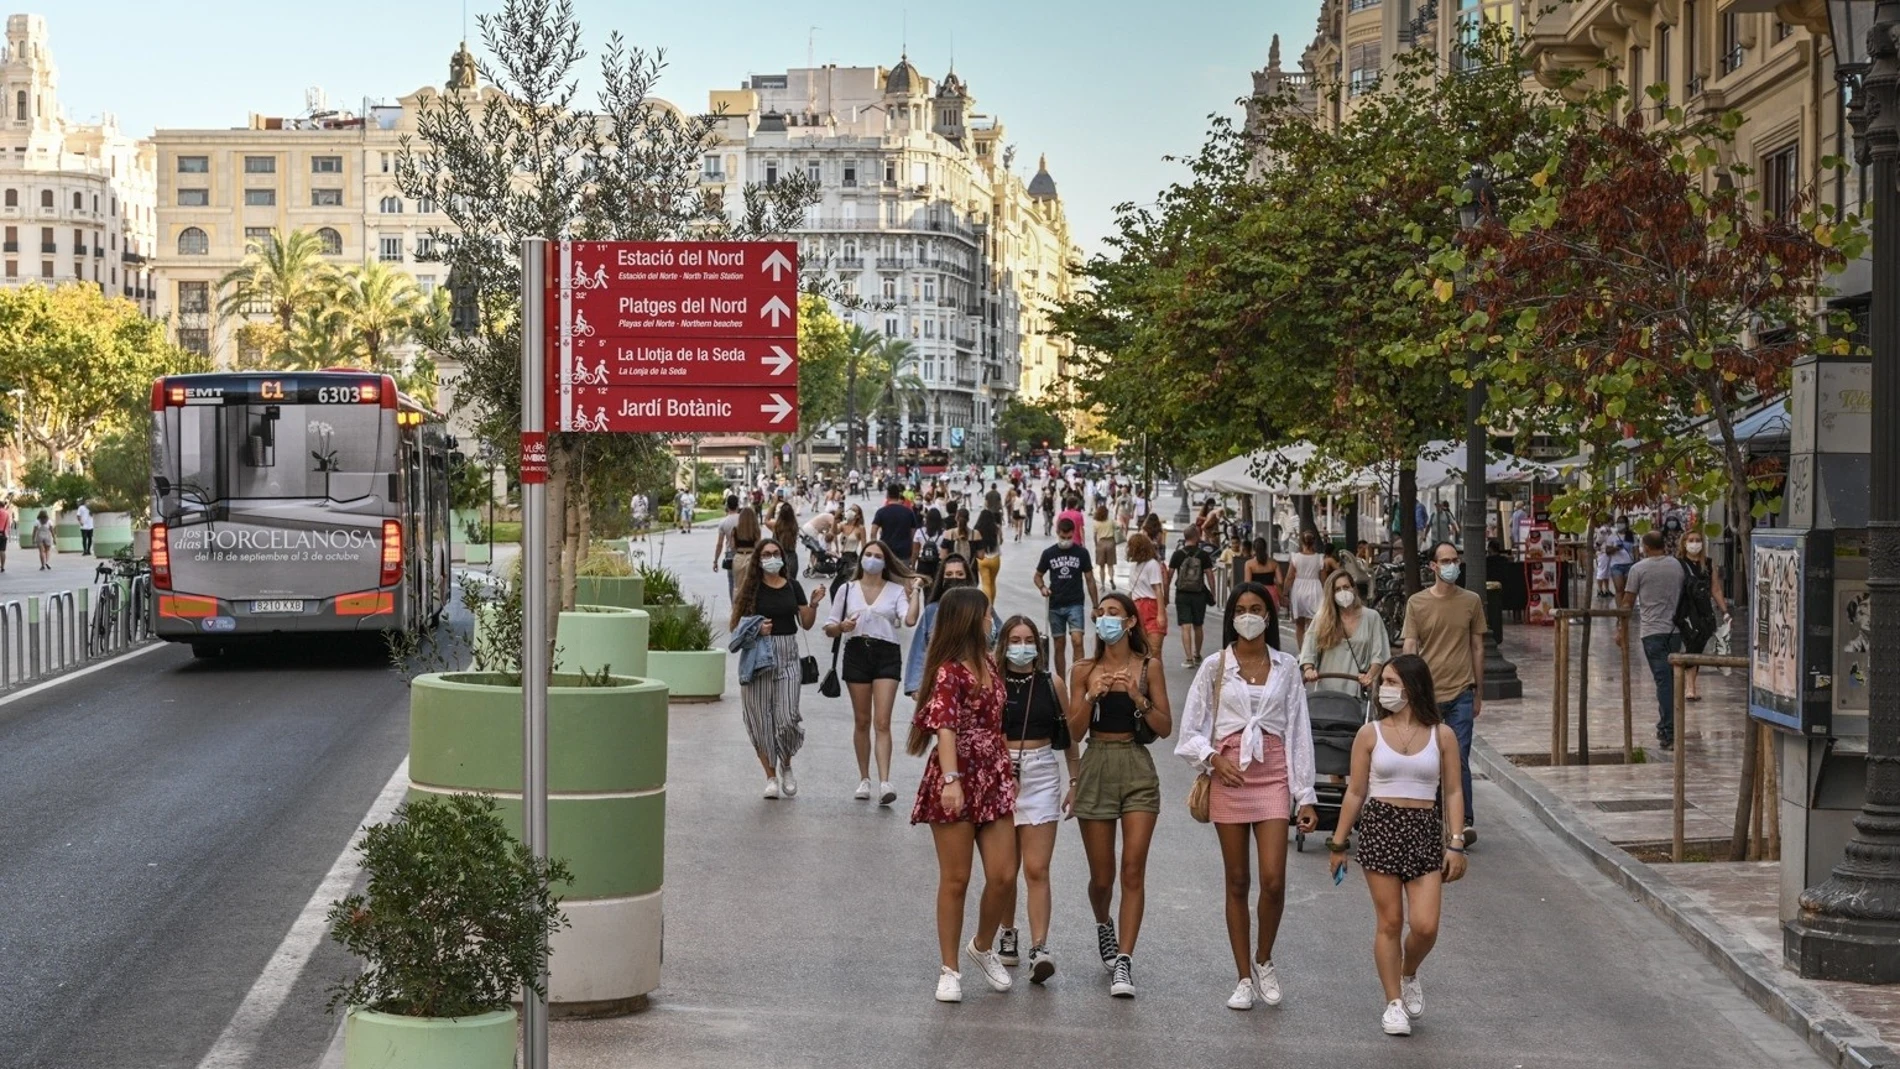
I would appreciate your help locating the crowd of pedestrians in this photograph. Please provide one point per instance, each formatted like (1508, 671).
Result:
(1024, 722)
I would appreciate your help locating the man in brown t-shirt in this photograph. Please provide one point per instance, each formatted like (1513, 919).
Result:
(1444, 624)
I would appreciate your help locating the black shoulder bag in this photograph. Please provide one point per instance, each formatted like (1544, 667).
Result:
(831, 688)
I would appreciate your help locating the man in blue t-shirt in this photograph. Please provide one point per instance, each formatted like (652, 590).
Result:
(1063, 575)
(896, 524)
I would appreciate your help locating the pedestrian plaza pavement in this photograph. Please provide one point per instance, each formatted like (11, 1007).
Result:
(799, 933)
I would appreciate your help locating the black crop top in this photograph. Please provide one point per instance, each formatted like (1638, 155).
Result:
(1114, 712)
(1029, 711)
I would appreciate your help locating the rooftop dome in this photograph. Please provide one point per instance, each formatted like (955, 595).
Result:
(1042, 187)
(952, 86)
(903, 78)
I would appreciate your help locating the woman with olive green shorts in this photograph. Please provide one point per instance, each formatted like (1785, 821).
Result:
(1112, 697)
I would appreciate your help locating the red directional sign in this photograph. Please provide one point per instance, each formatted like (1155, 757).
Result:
(648, 361)
(714, 409)
(673, 336)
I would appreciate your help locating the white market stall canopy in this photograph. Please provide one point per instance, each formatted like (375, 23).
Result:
(1440, 464)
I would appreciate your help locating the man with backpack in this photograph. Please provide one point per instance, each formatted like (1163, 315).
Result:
(1192, 567)
(1655, 589)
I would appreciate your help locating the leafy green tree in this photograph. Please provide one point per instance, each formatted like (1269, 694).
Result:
(899, 388)
(824, 357)
(1637, 295)
(380, 306)
(81, 362)
(284, 273)
(1026, 425)
(525, 157)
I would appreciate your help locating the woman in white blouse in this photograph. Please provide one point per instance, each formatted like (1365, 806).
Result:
(883, 598)
(1246, 723)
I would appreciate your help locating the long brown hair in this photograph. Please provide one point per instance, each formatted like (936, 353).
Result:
(1001, 653)
(1131, 630)
(894, 566)
(960, 634)
(746, 598)
(1332, 620)
(1415, 678)
(747, 529)
(785, 528)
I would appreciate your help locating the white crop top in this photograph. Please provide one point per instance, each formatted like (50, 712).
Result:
(1397, 775)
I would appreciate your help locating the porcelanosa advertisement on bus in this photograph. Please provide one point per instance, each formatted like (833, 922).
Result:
(260, 558)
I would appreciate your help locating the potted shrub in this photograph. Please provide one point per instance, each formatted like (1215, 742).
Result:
(455, 922)
(606, 783)
(660, 591)
(681, 654)
(605, 578)
(475, 547)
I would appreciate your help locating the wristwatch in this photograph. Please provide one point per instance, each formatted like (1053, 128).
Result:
(952, 777)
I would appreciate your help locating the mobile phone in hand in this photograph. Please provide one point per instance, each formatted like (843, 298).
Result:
(1339, 875)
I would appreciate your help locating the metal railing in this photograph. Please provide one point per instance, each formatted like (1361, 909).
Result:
(44, 635)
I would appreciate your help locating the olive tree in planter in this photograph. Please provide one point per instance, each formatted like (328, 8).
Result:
(456, 921)
(681, 654)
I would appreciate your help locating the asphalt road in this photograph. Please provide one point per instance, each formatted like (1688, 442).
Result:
(800, 933)
(164, 821)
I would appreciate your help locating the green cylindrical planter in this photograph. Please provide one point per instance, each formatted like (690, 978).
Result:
(606, 812)
(385, 1041)
(478, 553)
(626, 591)
(111, 532)
(689, 675)
(593, 637)
(65, 534)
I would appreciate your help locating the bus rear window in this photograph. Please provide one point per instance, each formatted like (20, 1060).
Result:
(277, 451)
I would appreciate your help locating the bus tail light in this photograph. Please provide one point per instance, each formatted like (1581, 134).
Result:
(392, 553)
(161, 558)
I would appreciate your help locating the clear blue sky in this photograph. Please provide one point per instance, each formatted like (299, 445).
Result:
(1105, 88)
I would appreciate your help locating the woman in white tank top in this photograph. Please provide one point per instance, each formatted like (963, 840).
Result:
(1401, 763)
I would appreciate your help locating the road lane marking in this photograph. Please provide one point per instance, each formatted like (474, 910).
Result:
(86, 671)
(238, 1042)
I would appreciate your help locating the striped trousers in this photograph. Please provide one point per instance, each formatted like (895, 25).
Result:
(770, 703)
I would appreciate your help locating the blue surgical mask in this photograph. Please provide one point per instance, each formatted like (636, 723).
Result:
(772, 565)
(1448, 572)
(1020, 653)
(872, 565)
(1109, 628)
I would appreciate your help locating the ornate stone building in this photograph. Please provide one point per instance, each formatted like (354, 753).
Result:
(923, 217)
(76, 199)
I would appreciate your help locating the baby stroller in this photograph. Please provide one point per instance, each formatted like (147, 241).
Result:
(1336, 719)
(819, 563)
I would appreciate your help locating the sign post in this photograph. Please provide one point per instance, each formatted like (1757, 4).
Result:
(534, 607)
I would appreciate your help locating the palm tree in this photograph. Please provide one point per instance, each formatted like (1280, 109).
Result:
(284, 275)
(320, 337)
(900, 386)
(864, 349)
(379, 304)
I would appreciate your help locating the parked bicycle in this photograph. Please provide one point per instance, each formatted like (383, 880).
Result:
(114, 581)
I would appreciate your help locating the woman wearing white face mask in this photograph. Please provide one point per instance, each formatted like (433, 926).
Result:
(1036, 731)
(1246, 724)
(770, 696)
(869, 613)
(1401, 763)
(1694, 554)
(1345, 640)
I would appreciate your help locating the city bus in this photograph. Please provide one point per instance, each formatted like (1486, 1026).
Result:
(295, 503)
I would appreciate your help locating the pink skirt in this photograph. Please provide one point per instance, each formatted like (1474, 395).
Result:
(1265, 794)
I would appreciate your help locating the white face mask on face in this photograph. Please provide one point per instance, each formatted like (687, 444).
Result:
(1391, 698)
(1250, 626)
(1343, 598)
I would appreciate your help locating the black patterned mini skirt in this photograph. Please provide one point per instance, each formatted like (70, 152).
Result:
(1399, 841)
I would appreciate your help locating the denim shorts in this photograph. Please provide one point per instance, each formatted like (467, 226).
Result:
(1065, 618)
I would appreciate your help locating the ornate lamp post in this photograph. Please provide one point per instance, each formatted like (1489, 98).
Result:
(1849, 926)
(1500, 675)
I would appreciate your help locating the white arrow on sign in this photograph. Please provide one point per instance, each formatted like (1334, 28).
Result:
(777, 264)
(777, 362)
(775, 310)
(780, 408)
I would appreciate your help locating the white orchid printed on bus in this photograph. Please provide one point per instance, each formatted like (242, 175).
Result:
(324, 454)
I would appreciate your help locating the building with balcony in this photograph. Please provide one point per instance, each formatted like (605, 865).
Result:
(331, 172)
(76, 199)
(923, 220)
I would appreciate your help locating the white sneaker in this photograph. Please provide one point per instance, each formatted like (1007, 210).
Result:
(771, 787)
(949, 986)
(1413, 996)
(1242, 998)
(989, 965)
(786, 783)
(1395, 1022)
(1266, 982)
(886, 794)
(864, 790)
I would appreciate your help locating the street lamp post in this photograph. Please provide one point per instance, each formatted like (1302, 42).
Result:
(1849, 926)
(1500, 675)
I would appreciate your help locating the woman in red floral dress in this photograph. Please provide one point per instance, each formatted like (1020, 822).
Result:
(968, 793)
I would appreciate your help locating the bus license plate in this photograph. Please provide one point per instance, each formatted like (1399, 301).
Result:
(262, 607)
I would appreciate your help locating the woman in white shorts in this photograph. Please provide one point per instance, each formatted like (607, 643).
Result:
(1035, 732)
